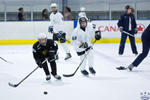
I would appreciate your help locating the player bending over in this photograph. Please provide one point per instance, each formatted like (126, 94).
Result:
(81, 40)
(46, 49)
(57, 29)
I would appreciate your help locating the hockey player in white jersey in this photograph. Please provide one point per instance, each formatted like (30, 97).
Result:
(57, 29)
(81, 40)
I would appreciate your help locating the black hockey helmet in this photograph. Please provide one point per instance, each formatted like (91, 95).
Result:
(82, 19)
(129, 7)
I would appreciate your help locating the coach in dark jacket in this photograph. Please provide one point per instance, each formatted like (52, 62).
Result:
(127, 23)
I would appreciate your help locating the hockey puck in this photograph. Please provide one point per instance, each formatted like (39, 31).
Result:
(45, 92)
(121, 68)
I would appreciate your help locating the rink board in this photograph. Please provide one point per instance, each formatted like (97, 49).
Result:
(26, 32)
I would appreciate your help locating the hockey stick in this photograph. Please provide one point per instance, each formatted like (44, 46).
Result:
(70, 75)
(128, 33)
(15, 85)
(6, 60)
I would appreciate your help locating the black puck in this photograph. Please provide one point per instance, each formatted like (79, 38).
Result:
(121, 68)
(45, 92)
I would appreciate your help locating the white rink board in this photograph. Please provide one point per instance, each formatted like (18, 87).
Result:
(29, 30)
(110, 29)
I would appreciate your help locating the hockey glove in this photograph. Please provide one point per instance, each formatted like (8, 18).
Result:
(59, 35)
(50, 29)
(121, 29)
(84, 45)
(97, 35)
(39, 63)
(87, 49)
(135, 31)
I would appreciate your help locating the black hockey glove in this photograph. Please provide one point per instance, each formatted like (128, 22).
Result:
(84, 45)
(53, 57)
(97, 35)
(39, 63)
(62, 37)
(121, 29)
(135, 31)
(59, 34)
(50, 29)
(87, 49)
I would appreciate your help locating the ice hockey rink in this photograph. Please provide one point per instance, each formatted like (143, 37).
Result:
(107, 84)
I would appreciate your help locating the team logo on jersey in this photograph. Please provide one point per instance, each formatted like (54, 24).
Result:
(74, 38)
(145, 95)
(44, 52)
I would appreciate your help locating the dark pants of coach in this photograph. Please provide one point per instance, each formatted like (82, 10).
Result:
(123, 41)
(145, 51)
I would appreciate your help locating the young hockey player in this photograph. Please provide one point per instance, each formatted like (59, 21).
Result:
(81, 40)
(46, 49)
(127, 23)
(57, 29)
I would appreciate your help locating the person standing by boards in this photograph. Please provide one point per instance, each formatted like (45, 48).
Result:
(127, 23)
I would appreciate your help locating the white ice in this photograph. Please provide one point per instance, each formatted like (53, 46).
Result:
(107, 84)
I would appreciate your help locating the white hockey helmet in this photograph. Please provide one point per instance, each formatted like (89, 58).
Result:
(82, 9)
(42, 36)
(53, 5)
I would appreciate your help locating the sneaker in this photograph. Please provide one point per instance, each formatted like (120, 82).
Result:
(48, 77)
(84, 72)
(57, 77)
(91, 69)
(68, 56)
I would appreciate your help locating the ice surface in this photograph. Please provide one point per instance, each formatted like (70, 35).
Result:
(107, 84)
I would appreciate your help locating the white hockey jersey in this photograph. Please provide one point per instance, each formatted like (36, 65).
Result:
(79, 36)
(56, 20)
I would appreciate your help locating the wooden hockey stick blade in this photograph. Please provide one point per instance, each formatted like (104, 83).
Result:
(121, 68)
(12, 85)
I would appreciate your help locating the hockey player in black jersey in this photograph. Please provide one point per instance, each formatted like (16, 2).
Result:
(46, 49)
